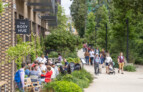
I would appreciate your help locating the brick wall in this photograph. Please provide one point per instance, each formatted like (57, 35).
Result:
(6, 27)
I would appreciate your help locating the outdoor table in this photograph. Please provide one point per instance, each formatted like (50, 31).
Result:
(3, 83)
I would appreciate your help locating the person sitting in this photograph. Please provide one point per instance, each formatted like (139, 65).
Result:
(66, 64)
(35, 63)
(42, 67)
(56, 71)
(34, 74)
(43, 59)
(27, 71)
(47, 75)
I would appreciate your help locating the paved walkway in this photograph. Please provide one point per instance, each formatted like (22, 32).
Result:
(128, 82)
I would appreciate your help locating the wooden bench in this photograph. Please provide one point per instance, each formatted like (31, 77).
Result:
(3, 83)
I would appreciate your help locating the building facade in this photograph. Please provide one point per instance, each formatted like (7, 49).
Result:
(40, 13)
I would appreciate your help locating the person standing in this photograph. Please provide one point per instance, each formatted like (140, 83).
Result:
(102, 60)
(86, 54)
(107, 61)
(97, 51)
(84, 47)
(91, 55)
(97, 61)
(59, 58)
(103, 53)
(121, 63)
(47, 57)
(19, 78)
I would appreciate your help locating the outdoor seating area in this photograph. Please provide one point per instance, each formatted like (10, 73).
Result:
(42, 71)
(3, 84)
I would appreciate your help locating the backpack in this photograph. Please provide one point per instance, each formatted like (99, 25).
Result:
(17, 77)
(70, 67)
(77, 67)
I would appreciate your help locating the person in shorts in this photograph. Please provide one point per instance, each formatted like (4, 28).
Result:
(121, 63)
(107, 61)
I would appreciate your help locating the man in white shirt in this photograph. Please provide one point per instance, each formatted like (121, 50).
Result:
(42, 67)
(43, 59)
(55, 70)
(91, 55)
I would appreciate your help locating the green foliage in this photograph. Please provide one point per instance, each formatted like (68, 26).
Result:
(72, 54)
(1, 6)
(18, 52)
(90, 28)
(103, 20)
(81, 78)
(19, 39)
(75, 60)
(53, 54)
(78, 13)
(62, 20)
(23, 49)
(130, 68)
(63, 86)
(62, 41)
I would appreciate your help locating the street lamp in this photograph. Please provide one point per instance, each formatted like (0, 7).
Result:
(106, 37)
(127, 52)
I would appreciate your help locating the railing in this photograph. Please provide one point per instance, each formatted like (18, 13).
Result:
(3, 84)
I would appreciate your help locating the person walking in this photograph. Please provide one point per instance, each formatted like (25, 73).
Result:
(121, 63)
(107, 61)
(19, 78)
(91, 55)
(97, 51)
(97, 61)
(102, 60)
(86, 54)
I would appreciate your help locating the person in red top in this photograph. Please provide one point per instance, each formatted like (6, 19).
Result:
(48, 75)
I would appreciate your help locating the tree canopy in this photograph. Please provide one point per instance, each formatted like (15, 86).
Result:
(78, 13)
(62, 40)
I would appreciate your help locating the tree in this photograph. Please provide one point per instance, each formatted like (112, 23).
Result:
(62, 19)
(90, 28)
(78, 13)
(1, 6)
(102, 18)
(61, 41)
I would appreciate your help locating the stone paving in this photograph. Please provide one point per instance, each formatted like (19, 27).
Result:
(128, 82)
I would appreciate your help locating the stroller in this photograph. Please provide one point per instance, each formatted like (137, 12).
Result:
(111, 68)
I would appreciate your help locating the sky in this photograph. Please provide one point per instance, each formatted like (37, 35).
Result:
(66, 4)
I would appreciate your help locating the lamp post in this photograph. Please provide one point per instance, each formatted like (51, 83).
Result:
(106, 37)
(127, 52)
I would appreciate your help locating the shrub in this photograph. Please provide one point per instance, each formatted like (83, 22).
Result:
(81, 78)
(75, 60)
(139, 61)
(63, 86)
(130, 68)
(53, 54)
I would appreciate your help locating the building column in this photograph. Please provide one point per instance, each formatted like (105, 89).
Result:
(31, 18)
(25, 15)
